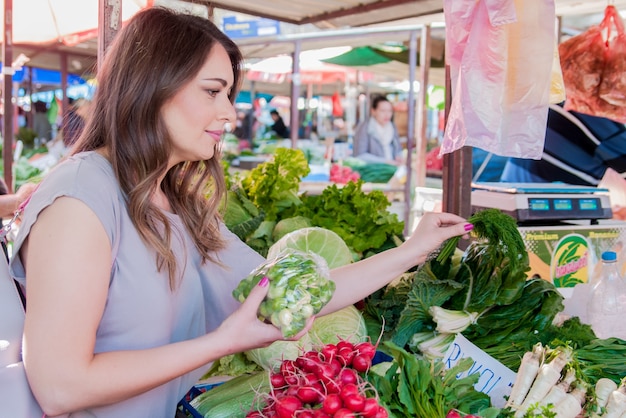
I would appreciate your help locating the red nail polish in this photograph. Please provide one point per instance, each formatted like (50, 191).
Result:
(264, 281)
(468, 227)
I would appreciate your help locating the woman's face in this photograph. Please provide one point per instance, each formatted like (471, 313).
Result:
(383, 112)
(195, 116)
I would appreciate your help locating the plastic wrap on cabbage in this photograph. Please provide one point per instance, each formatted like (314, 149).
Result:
(299, 288)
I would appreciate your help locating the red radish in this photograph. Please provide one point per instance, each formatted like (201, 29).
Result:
(354, 403)
(382, 413)
(332, 403)
(305, 414)
(367, 349)
(345, 356)
(348, 389)
(348, 376)
(328, 352)
(287, 406)
(318, 413)
(336, 366)
(345, 344)
(344, 413)
(277, 380)
(370, 408)
(308, 394)
(361, 363)
(453, 414)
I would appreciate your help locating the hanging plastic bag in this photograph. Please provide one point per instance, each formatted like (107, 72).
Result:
(557, 85)
(501, 56)
(613, 85)
(593, 65)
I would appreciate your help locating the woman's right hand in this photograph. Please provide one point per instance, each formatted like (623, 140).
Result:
(246, 330)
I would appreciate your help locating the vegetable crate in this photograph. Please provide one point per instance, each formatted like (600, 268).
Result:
(184, 405)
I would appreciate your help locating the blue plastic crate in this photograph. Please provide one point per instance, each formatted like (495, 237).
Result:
(184, 405)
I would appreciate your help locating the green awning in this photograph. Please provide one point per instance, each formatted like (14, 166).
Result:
(369, 55)
(363, 55)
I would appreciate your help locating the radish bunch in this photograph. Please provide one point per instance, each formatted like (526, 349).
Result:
(342, 174)
(323, 384)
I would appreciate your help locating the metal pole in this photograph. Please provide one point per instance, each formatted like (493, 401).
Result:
(295, 94)
(109, 23)
(7, 95)
(422, 112)
(410, 140)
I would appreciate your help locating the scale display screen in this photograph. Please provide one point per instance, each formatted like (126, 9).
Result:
(588, 204)
(560, 207)
(539, 204)
(562, 204)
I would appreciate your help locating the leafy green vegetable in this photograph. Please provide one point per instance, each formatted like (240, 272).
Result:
(415, 387)
(299, 287)
(287, 225)
(270, 358)
(231, 365)
(426, 291)
(360, 219)
(274, 185)
(603, 358)
(241, 216)
(323, 242)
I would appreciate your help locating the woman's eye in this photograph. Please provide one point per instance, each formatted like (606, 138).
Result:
(213, 93)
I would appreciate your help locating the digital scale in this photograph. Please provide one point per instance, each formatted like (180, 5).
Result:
(543, 202)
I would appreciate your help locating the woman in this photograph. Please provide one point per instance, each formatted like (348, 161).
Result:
(376, 139)
(130, 300)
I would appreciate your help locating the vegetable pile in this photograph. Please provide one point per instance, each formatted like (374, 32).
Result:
(322, 384)
(483, 293)
(299, 287)
(264, 204)
(417, 387)
(549, 383)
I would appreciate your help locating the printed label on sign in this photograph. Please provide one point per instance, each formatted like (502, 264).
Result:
(570, 261)
(495, 380)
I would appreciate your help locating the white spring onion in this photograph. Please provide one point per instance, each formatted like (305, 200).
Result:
(450, 321)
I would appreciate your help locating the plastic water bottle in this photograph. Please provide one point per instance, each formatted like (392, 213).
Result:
(606, 309)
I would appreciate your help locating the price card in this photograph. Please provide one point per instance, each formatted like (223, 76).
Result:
(495, 380)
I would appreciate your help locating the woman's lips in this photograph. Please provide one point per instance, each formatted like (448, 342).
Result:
(215, 134)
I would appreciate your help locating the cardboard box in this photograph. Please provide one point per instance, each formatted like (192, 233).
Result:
(568, 254)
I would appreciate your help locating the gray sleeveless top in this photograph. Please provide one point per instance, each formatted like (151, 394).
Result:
(141, 311)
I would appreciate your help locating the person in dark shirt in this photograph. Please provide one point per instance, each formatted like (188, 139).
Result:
(73, 122)
(578, 149)
(279, 125)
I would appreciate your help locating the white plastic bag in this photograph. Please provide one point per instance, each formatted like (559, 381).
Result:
(500, 54)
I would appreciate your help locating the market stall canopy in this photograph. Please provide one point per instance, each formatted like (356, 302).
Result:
(312, 71)
(46, 30)
(358, 13)
(60, 21)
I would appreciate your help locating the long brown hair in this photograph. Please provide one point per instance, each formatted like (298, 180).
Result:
(150, 60)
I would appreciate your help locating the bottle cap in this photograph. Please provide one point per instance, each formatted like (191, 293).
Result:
(609, 256)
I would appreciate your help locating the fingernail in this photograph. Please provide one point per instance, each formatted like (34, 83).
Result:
(468, 227)
(264, 281)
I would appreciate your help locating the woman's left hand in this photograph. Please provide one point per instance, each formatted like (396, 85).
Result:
(432, 230)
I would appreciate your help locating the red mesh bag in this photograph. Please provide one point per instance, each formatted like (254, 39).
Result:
(613, 85)
(594, 65)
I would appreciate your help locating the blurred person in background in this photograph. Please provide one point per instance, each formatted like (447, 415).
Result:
(279, 124)
(41, 123)
(376, 139)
